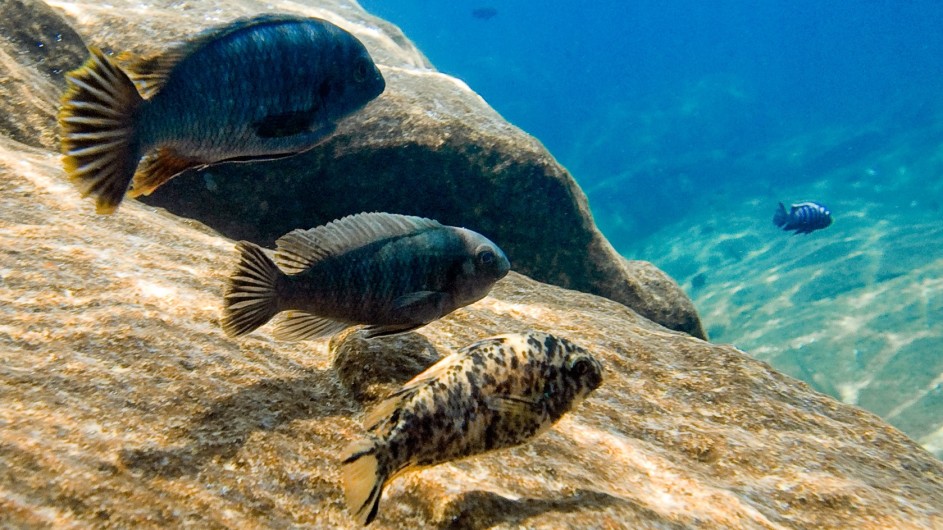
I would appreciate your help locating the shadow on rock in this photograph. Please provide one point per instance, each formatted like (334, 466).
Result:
(484, 509)
(372, 369)
(228, 423)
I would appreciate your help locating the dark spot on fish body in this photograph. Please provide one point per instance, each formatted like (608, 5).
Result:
(287, 123)
(324, 90)
(477, 359)
(489, 379)
(394, 450)
(514, 362)
(492, 436)
(534, 343)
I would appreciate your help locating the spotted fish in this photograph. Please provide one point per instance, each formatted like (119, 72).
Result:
(393, 273)
(804, 217)
(496, 393)
(255, 89)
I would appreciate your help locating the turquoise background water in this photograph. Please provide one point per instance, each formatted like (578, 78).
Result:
(685, 122)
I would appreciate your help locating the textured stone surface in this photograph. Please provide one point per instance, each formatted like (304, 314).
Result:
(123, 404)
(429, 146)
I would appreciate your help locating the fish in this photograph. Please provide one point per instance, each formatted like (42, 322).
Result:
(494, 394)
(484, 13)
(258, 88)
(393, 273)
(803, 217)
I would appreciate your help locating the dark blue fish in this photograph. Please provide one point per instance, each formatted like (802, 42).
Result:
(484, 13)
(393, 273)
(804, 217)
(255, 89)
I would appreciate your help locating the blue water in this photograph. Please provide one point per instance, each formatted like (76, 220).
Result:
(686, 122)
(660, 108)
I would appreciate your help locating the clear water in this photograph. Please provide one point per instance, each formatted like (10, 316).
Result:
(685, 122)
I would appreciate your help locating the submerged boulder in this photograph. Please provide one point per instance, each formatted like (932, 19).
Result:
(428, 146)
(124, 404)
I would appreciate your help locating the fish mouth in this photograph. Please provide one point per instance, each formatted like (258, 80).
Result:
(504, 268)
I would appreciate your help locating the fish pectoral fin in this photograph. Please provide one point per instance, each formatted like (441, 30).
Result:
(420, 306)
(516, 405)
(300, 325)
(372, 332)
(305, 122)
(414, 310)
(158, 168)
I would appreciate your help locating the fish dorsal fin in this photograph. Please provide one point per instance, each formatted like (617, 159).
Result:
(299, 249)
(386, 407)
(150, 72)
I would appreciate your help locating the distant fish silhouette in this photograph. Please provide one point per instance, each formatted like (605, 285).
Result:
(484, 13)
(803, 217)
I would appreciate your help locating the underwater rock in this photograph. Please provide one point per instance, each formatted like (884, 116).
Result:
(36, 48)
(125, 405)
(355, 360)
(429, 146)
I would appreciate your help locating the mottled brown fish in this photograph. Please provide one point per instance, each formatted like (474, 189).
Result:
(496, 393)
(393, 273)
(254, 89)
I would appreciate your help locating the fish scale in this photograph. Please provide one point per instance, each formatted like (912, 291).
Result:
(493, 394)
(254, 89)
(392, 273)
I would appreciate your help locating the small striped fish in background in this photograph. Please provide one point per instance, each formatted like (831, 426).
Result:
(803, 217)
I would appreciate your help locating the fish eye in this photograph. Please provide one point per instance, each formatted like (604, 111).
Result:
(486, 257)
(581, 367)
(360, 71)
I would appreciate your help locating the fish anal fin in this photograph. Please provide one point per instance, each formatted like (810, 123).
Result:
(158, 168)
(372, 332)
(386, 407)
(384, 410)
(301, 325)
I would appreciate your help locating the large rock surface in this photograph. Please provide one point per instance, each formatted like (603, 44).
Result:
(122, 404)
(428, 146)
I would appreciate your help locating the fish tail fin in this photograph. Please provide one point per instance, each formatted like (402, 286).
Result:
(780, 217)
(251, 297)
(364, 479)
(100, 144)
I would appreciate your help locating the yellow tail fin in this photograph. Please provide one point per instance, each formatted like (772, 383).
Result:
(99, 140)
(363, 480)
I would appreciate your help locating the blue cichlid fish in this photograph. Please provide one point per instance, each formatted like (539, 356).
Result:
(803, 217)
(255, 89)
(391, 272)
(494, 394)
